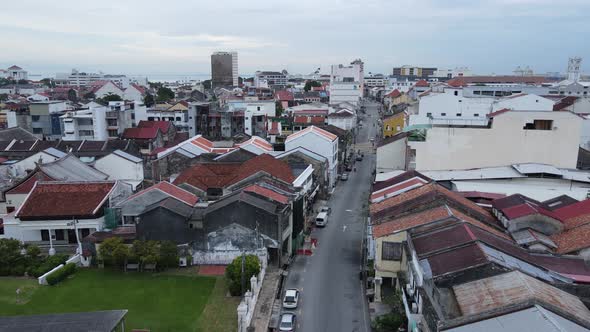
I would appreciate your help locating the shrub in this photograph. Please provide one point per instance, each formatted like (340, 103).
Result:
(388, 322)
(50, 263)
(233, 273)
(61, 274)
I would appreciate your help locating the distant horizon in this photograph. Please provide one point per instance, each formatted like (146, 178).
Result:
(489, 37)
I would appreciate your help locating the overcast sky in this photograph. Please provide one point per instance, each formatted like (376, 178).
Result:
(147, 36)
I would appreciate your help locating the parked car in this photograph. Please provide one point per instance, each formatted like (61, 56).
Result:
(359, 157)
(348, 167)
(326, 209)
(291, 298)
(287, 322)
(344, 177)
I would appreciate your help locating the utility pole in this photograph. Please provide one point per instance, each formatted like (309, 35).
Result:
(243, 273)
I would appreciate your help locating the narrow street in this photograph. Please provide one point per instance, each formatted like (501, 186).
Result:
(331, 293)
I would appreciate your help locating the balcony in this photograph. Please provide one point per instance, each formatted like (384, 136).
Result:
(112, 115)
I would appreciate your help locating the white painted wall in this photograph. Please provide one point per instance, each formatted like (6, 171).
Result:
(28, 164)
(448, 108)
(131, 93)
(505, 143)
(391, 156)
(119, 168)
(321, 146)
(346, 123)
(109, 87)
(524, 103)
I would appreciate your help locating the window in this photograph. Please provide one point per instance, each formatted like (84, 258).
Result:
(86, 132)
(178, 118)
(456, 93)
(429, 114)
(44, 235)
(539, 125)
(258, 108)
(391, 251)
(37, 130)
(113, 132)
(476, 115)
(397, 128)
(458, 114)
(10, 209)
(59, 235)
(85, 232)
(477, 92)
(35, 117)
(443, 114)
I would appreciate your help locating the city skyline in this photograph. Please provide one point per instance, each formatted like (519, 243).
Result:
(144, 37)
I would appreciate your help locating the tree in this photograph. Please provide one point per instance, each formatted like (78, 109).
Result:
(148, 100)
(233, 273)
(48, 82)
(168, 255)
(145, 252)
(72, 95)
(89, 95)
(33, 252)
(113, 251)
(110, 97)
(207, 84)
(279, 108)
(310, 84)
(3, 96)
(164, 94)
(10, 256)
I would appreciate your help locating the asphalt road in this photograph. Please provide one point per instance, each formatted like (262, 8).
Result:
(331, 292)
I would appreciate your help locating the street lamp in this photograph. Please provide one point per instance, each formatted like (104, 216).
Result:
(74, 223)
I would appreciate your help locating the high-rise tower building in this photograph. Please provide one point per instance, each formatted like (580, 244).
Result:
(224, 69)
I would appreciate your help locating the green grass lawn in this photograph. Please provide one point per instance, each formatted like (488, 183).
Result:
(161, 303)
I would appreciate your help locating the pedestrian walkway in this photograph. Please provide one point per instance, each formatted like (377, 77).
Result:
(264, 304)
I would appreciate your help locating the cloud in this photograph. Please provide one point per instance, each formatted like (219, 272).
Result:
(494, 35)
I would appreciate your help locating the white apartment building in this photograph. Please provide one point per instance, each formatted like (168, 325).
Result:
(265, 79)
(98, 123)
(377, 80)
(451, 73)
(452, 108)
(401, 84)
(77, 78)
(320, 142)
(15, 72)
(511, 137)
(346, 83)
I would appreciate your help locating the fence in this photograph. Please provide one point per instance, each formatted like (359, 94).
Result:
(224, 257)
(76, 259)
(248, 304)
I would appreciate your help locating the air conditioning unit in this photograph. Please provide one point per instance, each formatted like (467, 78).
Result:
(182, 261)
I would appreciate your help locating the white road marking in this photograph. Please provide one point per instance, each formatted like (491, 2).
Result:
(344, 228)
(348, 210)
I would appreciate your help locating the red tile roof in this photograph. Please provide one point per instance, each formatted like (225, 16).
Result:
(573, 239)
(422, 84)
(465, 80)
(393, 94)
(141, 133)
(220, 175)
(274, 128)
(139, 88)
(258, 142)
(498, 112)
(283, 95)
(313, 129)
(162, 125)
(171, 190)
(50, 200)
(413, 220)
(27, 184)
(267, 193)
(481, 194)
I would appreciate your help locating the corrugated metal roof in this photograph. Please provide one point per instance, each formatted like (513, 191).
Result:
(127, 156)
(506, 290)
(70, 168)
(501, 172)
(55, 152)
(535, 190)
(534, 319)
(534, 168)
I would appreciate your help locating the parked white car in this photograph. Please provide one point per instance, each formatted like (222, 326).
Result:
(287, 322)
(291, 299)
